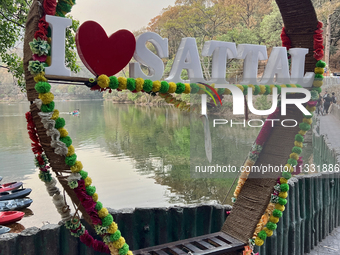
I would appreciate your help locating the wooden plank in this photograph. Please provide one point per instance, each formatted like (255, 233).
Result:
(205, 244)
(192, 247)
(160, 252)
(176, 251)
(219, 242)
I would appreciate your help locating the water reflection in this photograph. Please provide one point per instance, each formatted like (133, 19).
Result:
(136, 156)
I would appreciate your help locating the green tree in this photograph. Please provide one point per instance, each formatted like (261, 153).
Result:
(13, 14)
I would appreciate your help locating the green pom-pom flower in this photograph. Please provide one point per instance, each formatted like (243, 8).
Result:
(124, 250)
(115, 237)
(39, 47)
(195, 88)
(318, 77)
(99, 206)
(292, 162)
(304, 126)
(59, 123)
(282, 201)
(317, 89)
(288, 86)
(271, 226)
(164, 87)
(284, 187)
(45, 176)
(71, 160)
(267, 90)
(131, 84)
(257, 90)
(277, 213)
(245, 90)
(286, 175)
(298, 86)
(47, 107)
(147, 85)
(83, 174)
(220, 91)
(296, 150)
(35, 67)
(42, 87)
(180, 88)
(308, 116)
(107, 220)
(262, 235)
(113, 82)
(66, 140)
(299, 138)
(278, 89)
(321, 64)
(90, 190)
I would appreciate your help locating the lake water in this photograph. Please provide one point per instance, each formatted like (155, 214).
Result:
(136, 156)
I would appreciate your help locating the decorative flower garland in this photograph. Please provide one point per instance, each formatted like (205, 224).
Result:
(78, 180)
(273, 213)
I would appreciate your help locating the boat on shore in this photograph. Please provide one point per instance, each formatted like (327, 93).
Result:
(10, 217)
(15, 204)
(10, 186)
(14, 194)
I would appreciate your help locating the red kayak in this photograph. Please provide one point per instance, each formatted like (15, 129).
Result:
(10, 186)
(10, 217)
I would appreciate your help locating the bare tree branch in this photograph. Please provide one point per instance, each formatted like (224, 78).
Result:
(11, 20)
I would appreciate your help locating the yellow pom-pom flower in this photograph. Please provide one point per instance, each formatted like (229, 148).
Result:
(271, 89)
(227, 92)
(274, 219)
(55, 114)
(49, 40)
(280, 207)
(77, 167)
(268, 232)
(319, 70)
(293, 85)
(156, 86)
(103, 81)
(262, 89)
(129, 253)
(240, 87)
(289, 168)
(88, 181)
(63, 132)
(317, 84)
(40, 77)
(139, 84)
(172, 87)
(283, 194)
(308, 121)
(119, 243)
(294, 156)
(103, 213)
(70, 151)
(283, 86)
(298, 144)
(201, 91)
(258, 241)
(252, 87)
(302, 132)
(283, 180)
(112, 228)
(187, 88)
(95, 197)
(122, 83)
(46, 98)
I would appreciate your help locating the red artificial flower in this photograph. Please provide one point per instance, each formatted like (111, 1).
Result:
(40, 34)
(50, 7)
(318, 54)
(320, 24)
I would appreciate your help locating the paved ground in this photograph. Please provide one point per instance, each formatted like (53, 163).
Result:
(331, 245)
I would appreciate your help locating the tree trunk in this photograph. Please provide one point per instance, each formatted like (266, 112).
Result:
(328, 40)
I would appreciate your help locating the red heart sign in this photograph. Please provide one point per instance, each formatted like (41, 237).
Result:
(102, 54)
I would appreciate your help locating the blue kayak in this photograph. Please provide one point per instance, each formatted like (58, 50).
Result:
(14, 194)
(15, 204)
